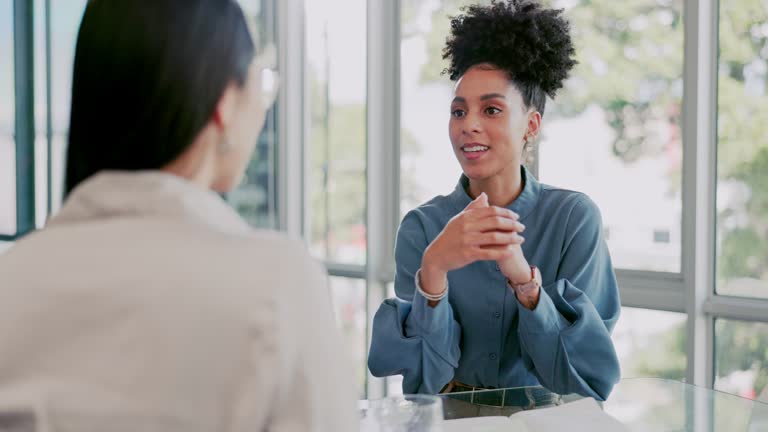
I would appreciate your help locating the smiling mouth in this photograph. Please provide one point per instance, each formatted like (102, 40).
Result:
(474, 148)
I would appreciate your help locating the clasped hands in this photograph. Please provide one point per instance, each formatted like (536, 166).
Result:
(479, 233)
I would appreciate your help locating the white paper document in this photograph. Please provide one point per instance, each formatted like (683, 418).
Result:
(486, 424)
(584, 415)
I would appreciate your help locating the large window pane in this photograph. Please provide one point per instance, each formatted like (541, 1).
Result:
(651, 343)
(614, 130)
(742, 149)
(349, 304)
(336, 76)
(428, 166)
(612, 133)
(741, 357)
(256, 197)
(7, 119)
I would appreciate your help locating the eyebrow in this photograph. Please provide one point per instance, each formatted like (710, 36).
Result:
(492, 96)
(482, 98)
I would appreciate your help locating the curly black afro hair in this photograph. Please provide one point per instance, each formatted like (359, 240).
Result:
(532, 44)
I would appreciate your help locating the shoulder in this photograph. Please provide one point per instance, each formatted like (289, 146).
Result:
(254, 265)
(575, 212)
(569, 205)
(269, 250)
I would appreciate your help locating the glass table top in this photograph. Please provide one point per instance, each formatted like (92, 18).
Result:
(643, 404)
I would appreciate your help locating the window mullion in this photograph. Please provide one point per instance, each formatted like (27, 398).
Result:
(383, 155)
(699, 174)
(24, 68)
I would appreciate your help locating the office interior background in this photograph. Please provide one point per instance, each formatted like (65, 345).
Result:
(664, 123)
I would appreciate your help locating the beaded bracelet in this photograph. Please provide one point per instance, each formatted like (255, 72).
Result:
(426, 295)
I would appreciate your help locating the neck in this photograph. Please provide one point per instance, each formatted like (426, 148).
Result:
(502, 189)
(195, 164)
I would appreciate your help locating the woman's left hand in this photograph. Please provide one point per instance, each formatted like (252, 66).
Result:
(518, 271)
(516, 267)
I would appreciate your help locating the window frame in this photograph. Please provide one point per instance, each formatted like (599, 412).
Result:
(24, 122)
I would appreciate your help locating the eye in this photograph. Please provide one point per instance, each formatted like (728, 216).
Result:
(458, 113)
(492, 111)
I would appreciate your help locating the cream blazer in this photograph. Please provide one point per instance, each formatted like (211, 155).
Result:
(148, 304)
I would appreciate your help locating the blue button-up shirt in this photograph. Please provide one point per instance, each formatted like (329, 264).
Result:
(481, 335)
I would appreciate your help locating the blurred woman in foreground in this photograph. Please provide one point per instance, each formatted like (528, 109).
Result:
(148, 304)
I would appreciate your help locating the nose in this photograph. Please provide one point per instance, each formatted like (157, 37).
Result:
(471, 124)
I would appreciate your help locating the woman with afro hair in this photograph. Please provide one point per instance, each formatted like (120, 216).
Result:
(505, 282)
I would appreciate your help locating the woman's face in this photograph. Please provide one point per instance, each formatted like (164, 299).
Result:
(488, 123)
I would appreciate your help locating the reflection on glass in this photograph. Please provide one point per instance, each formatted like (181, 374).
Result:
(742, 150)
(349, 304)
(648, 404)
(404, 413)
(613, 131)
(741, 357)
(651, 343)
(256, 197)
(7, 119)
(336, 72)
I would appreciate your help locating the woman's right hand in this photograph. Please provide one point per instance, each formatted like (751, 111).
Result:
(480, 232)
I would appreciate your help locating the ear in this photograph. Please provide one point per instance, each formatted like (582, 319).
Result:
(534, 124)
(224, 113)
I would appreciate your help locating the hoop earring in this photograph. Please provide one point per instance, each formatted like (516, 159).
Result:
(528, 149)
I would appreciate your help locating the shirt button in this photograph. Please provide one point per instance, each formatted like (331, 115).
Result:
(497, 315)
(492, 356)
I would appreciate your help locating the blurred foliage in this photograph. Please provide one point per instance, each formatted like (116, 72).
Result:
(665, 358)
(338, 167)
(739, 346)
(742, 346)
(337, 160)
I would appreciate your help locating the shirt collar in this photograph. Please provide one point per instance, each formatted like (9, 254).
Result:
(522, 205)
(140, 194)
